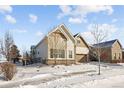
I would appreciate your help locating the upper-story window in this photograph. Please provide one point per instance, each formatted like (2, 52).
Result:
(78, 41)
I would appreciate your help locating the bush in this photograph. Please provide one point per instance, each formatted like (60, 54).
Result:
(9, 70)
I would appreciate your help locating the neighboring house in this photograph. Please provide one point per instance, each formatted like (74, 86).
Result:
(122, 55)
(32, 52)
(60, 47)
(111, 51)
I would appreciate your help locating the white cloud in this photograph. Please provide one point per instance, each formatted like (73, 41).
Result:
(39, 33)
(33, 18)
(109, 28)
(88, 37)
(5, 8)
(81, 12)
(114, 20)
(75, 20)
(10, 19)
(18, 31)
(65, 10)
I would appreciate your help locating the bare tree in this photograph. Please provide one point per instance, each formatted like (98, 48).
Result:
(8, 41)
(99, 34)
(57, 43)
(26, 57)
(1, 47)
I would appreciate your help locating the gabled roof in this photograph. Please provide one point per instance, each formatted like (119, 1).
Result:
(78, 34)
(57, 28)
(67, 32)
(41, 41)
(106, 44)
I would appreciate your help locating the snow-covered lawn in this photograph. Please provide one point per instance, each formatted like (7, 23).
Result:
(81, 75)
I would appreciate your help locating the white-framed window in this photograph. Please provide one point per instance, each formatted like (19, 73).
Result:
(119, 55)
(70, 53)
(57, 53)
(78, 41)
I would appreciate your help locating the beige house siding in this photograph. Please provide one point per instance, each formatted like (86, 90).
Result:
(116, 52)
(81, 44)
(60, 39)
(55, 43)
(81, 48)
(81, 58)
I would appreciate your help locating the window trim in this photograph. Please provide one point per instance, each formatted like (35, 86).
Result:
(57, 53)
(119, 56)
(115, 56)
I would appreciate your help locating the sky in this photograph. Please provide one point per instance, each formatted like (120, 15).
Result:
(30, 23)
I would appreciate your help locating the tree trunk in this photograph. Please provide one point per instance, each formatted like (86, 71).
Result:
(99, 61)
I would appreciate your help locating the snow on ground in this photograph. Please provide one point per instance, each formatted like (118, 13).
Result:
(107, 82)
(81, 75)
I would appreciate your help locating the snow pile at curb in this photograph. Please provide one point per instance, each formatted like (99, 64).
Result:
(108, 82)
(27, 86)
(41, 76)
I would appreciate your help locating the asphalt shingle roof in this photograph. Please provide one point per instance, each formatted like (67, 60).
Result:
(105, 44)
(76, 34)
